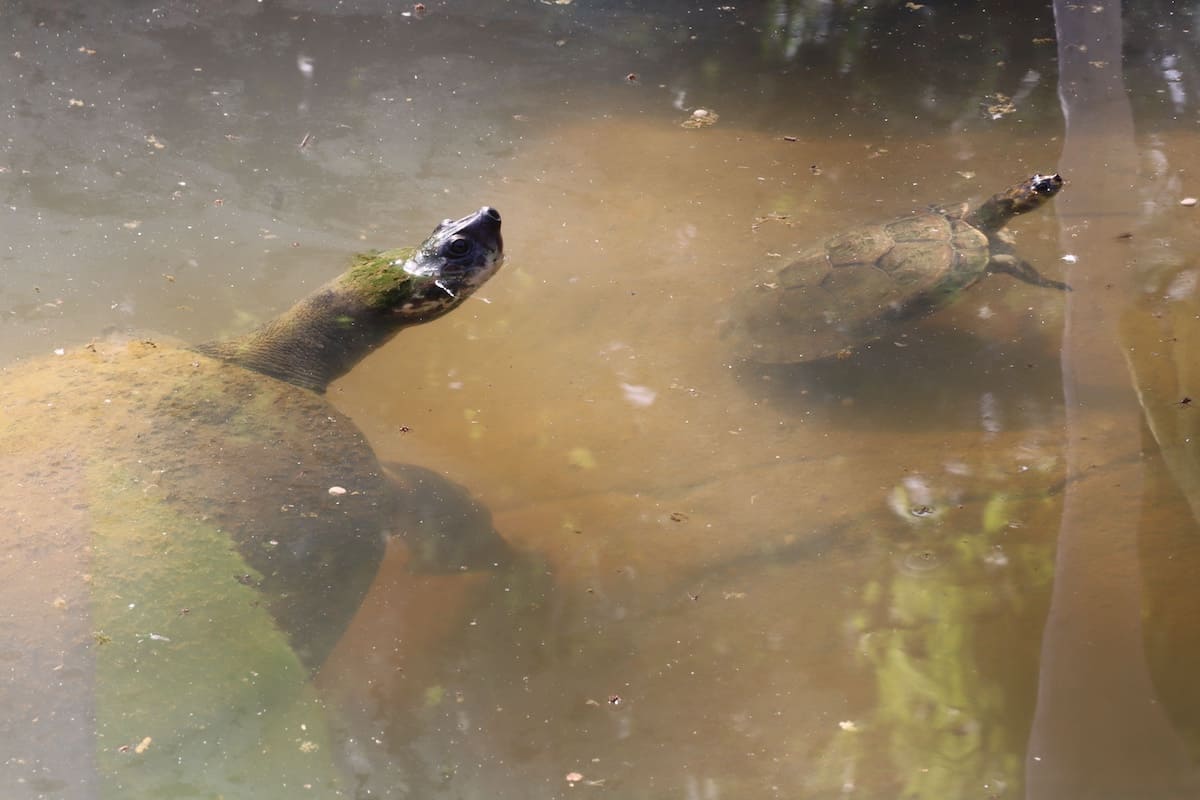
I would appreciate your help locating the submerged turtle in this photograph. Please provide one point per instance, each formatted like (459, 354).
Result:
(187, 531)
(858, 285)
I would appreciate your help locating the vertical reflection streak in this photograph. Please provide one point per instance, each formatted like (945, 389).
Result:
(1099, 730)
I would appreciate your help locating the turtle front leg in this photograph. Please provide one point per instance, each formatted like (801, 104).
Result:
(442, 526)
(1023, 271)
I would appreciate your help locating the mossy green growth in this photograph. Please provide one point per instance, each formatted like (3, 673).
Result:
(996, 513)
(945, 639)
(193, 672)
(379, 279)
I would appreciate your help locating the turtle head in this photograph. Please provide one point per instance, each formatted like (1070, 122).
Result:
(324, 335)
(1031, 194)
(1026, 196)
(457, 258)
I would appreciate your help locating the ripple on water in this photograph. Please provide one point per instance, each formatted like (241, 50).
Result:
(919, 562)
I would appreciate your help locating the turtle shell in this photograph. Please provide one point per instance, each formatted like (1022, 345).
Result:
(185, 537)
(184, 542)
(853, 287)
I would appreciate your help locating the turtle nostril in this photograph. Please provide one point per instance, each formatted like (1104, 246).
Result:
(490, 213)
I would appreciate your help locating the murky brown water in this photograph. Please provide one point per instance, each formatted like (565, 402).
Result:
(957, 563)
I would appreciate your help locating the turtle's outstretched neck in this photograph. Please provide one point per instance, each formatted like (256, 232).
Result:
(323, 336)
(316, 341)
(1028, 195)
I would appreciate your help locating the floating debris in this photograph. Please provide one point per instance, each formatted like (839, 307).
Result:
(999, 105)
(772, 216)
(1188, 201)
(701, 118)
(337, 491)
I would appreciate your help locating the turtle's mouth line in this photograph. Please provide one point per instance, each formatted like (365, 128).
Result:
(446, 289)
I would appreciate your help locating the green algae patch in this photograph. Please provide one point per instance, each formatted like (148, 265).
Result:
(996, 513)
(379, 278)
(198, 693)
(954, 587)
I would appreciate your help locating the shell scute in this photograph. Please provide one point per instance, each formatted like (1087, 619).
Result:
(917, 264)
(920, 228)
(860, 246)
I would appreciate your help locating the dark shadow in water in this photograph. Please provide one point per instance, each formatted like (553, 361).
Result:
(931, 378)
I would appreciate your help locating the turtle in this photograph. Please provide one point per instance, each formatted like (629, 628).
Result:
(188, 529)
(860, 284)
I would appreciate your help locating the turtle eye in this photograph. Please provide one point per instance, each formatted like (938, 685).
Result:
(458, 247)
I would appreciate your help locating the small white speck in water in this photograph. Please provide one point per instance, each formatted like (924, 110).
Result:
(640, 396)
(1183, 285)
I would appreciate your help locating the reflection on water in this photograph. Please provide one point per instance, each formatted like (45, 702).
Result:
(733, 580)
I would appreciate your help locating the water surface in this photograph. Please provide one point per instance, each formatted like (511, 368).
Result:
(954, 564)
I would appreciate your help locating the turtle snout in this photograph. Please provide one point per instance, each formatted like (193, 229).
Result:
(484, 227)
